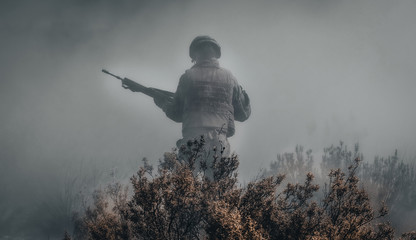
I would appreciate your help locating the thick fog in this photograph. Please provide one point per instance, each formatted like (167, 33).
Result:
(317, 72)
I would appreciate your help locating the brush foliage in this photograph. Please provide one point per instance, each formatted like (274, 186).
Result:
(179, 202)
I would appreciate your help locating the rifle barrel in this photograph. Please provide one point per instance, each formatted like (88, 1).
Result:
(152, 92)
(107, 72)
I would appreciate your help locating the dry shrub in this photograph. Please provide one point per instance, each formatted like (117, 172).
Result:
(181, 202)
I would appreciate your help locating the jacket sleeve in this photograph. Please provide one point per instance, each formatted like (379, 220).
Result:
(241, 104)
(174, 110)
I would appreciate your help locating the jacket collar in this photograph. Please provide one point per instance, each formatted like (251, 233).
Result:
(213, 62)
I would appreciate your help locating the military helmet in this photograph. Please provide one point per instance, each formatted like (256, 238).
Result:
(202, 40)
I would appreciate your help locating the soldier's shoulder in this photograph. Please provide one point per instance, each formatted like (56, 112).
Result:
(224, 69)
(187, 74)
(228, 73)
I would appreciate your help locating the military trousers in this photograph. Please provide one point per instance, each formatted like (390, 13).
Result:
(216, 146)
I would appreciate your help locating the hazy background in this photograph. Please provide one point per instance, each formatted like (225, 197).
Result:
(317, 71)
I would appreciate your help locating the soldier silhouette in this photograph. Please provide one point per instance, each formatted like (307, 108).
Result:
(208, 99)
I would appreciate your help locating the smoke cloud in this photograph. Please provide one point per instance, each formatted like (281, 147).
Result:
(317, 72)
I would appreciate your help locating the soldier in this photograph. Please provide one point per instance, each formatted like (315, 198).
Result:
(208, 99)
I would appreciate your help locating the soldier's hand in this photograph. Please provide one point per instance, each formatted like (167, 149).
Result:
(160, 103)
(128, 84)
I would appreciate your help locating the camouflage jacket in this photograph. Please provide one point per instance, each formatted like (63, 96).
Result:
(208, 96)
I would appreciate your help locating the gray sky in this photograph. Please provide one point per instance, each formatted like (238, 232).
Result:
(317, 71)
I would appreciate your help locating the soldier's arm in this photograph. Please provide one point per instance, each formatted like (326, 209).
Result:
(241, 104)
(174, 109)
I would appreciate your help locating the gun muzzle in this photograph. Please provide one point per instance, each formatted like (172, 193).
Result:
(107, 72)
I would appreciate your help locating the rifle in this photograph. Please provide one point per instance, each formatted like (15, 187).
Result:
(136, 87)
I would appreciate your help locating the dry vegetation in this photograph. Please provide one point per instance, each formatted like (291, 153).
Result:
(180, 202)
